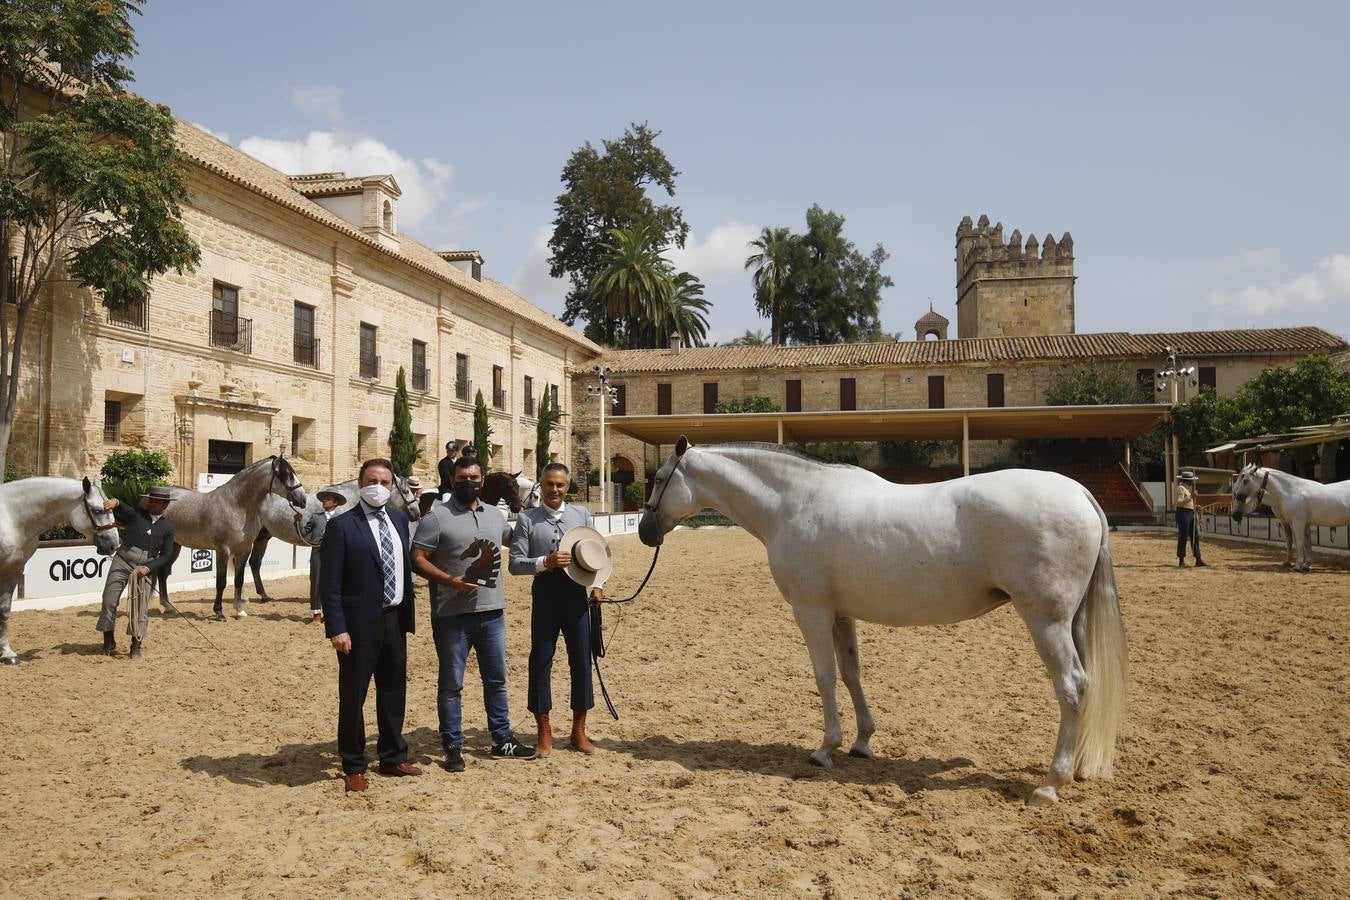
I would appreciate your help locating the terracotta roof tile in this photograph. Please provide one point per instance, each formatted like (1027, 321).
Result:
(1103, 346)
(236, 166)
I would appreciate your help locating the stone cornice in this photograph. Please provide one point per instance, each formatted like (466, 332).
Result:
(257, 409)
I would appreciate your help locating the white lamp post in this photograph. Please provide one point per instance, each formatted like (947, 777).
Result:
(608, 396)
(1171, 377)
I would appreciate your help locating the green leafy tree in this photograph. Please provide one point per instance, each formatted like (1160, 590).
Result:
(755, 403)
(756, 338)
(772, 261)
(832, 292)
(403, 450)
(914, 454)
(91, 179)
(604, 189)
(128, 474)
(482, 431)
(1103, 385)
(1280, 400)
(550, 418)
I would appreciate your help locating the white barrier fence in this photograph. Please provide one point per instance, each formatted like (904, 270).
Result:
(1268, 528)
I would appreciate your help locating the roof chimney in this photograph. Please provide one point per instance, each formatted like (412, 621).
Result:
(675, 342)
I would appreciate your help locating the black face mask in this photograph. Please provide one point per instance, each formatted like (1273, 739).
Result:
(467, 491)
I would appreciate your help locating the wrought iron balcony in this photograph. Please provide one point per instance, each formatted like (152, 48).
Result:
(306, 351)
(499, 399)
(370, 367)
(421, 378)
(231, 332)
(133, 315)
(464, 390)
(529, 406)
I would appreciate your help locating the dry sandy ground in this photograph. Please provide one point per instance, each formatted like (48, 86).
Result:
(193, 773)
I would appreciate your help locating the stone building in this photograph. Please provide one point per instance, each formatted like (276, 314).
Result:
(1015, 314)
(289, 335)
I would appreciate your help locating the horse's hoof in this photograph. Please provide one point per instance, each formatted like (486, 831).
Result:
(1043, 796)
(10, 660)
(820, 760)
(263, 599)
(860, 752)
(241, 614)
(217, 616)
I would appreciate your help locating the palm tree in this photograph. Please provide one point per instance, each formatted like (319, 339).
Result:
(635, 280)
(686, 309)
(756, 338)
(772, 264)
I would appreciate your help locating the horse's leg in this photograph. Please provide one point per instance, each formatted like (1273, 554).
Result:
(239, 559)
(850, 667)
(218, 608)
(1288, 544)
(1307, 547)
(1302, 537)
(1054, 642)
(7, 655)
(255, 559)
(817, 625)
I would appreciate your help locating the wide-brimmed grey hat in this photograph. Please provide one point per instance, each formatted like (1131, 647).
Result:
(337, 497)
(592, 561)
(158, 492)
(1187, 476)
(414, 482)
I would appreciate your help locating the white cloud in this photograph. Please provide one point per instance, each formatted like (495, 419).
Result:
(425, 182)
(1328, 282)
(323, 102)
(532, 280)
(722, 253)
(219, 135)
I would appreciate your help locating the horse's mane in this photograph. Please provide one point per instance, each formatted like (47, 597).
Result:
(779, 448)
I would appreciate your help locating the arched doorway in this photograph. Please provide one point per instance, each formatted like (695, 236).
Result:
(620, 477)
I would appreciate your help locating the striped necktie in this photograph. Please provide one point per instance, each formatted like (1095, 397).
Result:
(387, 557)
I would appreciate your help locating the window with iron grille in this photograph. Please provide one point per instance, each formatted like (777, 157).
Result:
(1209, 380)
(133, 315)
(225, 318)
(112, 421)
(462, 377)
(529, 396)
(370, 363)
(304, 344)
(498, 392)
(553, 396)
(421, 380)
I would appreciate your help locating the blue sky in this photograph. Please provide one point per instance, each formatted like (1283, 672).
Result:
(1197, 151)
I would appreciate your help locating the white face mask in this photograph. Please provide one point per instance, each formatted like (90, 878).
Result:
(376, 495)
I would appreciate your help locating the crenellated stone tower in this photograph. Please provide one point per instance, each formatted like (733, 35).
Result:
(1007, 289)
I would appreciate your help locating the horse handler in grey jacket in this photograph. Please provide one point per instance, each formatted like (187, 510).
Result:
(146, 550)
(313, 532)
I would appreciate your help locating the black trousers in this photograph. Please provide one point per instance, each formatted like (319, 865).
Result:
(559, 605)
(1187, 532)
(386, 658)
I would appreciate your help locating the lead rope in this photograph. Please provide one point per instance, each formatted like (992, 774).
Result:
(598, 631)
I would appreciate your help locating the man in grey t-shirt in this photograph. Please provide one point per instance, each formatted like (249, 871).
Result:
(459, 549)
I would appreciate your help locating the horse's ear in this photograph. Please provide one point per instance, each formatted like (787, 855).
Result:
(87, 486)
(517, 475)
(681, 445)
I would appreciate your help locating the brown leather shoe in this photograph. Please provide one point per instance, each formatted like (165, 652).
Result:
(355, 781)
(399, 769)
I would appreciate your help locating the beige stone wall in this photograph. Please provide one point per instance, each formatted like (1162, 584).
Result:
(179, 392)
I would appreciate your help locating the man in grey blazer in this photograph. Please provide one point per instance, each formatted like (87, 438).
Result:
(560, 605)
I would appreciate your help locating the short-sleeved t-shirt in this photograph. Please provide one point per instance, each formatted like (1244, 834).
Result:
(448, 531)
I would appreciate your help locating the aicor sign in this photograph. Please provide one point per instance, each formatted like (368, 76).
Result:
(92, 566)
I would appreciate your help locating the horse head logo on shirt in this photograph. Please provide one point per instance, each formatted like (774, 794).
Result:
(487, 567)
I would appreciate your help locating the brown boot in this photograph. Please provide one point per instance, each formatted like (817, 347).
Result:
(135, 649)
(544, 742)
(579, 740)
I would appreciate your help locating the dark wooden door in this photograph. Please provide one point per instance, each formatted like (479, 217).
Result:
(995, 390)
(709, 396)
(663, 399)
(937, 392)
(794, 395)
(848, 393)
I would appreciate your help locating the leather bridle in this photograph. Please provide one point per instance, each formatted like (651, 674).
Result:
(93, 519)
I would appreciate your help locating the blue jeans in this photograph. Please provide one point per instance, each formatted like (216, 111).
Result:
(485, 633)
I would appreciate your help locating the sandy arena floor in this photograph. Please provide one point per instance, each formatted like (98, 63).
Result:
(194, 773)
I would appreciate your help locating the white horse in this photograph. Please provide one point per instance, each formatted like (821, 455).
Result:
(31, 506)
(528, 491)
(1299, 504)
(277, 516)
(227, 520)
(844, 544)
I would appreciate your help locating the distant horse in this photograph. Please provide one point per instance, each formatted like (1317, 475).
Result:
(529, 492)
(498, 488)
(1299, 504)
(30, 506)
(844, 544)
(227, 519)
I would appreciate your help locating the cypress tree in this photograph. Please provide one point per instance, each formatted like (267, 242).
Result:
(482, 431)
(402, 447)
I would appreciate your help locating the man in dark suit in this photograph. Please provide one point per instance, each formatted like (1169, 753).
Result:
(367, 592)
(146, 553)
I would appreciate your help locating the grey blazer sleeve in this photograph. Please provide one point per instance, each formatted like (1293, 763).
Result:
(521, 563)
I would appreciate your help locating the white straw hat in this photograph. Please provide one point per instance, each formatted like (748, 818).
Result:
(592, 561)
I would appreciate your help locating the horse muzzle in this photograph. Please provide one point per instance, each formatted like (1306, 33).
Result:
(649, 530)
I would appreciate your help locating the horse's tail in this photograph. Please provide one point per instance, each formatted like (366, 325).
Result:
(1099, 637)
